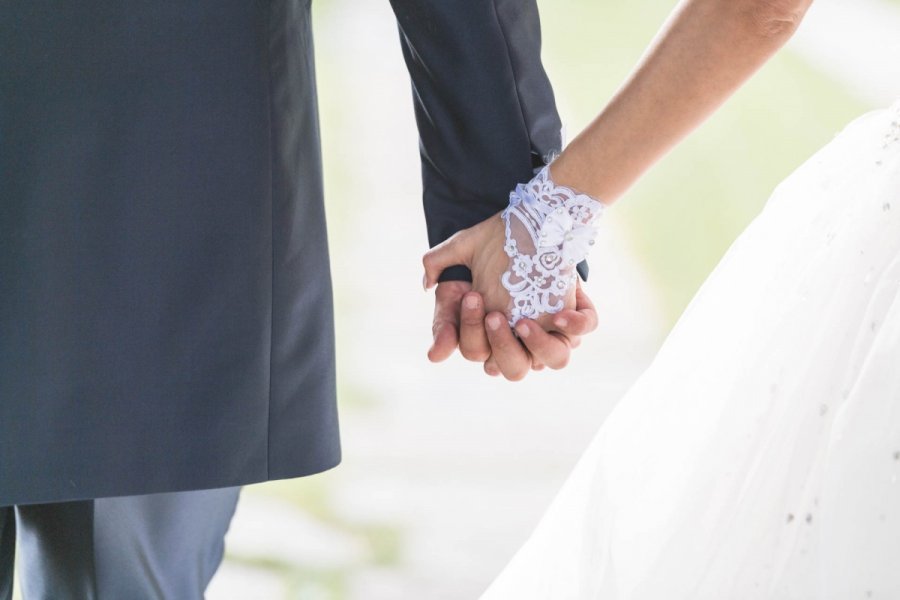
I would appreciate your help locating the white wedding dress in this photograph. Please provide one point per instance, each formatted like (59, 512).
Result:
(758, 457)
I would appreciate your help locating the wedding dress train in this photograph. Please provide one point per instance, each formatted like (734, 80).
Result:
(758, 456)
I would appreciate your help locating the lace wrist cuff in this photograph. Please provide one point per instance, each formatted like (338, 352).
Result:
(549, 230)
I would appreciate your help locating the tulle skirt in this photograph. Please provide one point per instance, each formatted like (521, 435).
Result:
(758, 456)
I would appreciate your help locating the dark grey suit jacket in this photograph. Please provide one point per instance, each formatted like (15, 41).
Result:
(165, 297)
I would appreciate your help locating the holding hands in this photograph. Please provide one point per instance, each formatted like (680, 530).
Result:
(523, 278)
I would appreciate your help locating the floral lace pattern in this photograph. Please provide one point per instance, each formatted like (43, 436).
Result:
(549, 230)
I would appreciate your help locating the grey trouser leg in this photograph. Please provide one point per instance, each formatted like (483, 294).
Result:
(160, 546)
(7, 550)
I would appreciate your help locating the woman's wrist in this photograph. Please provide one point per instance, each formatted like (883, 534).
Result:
(599, 172)
(549, 229)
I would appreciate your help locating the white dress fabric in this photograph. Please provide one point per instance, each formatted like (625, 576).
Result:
(758, 457)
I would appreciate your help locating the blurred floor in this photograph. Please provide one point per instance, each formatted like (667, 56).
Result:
(445, 471)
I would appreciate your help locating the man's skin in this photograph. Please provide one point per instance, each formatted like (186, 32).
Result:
(460, 322)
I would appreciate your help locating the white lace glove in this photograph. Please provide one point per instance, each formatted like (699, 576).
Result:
(549, 230)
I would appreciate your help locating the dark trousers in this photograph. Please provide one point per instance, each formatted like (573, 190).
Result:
(159, 546)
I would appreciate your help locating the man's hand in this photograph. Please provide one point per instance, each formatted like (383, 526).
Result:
(481, 249)
(460, 321)
(544, 349)
(447, 301)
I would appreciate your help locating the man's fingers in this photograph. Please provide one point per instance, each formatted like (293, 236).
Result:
(585, 307)
(580, 321)
(445, 341)
(572, 323)
(450, 252)
(445, 327)
(491, 368)
(473, 341)
(510, 356)
(549, 349)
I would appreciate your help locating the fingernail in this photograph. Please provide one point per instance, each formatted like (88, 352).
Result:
(425, 282)
(471, 302)
(493, 322)
(562, 322)
(522, 330)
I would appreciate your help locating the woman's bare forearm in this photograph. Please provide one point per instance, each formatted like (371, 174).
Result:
(706, 50)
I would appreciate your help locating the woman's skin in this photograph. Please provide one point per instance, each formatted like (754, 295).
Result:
(705, 51)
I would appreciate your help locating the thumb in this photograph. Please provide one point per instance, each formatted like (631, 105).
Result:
(453, 251)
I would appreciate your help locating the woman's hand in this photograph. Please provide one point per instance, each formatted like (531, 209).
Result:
(480, 314)
(481, 249)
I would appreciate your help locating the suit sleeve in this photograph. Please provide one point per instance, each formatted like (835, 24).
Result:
(484, 106)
